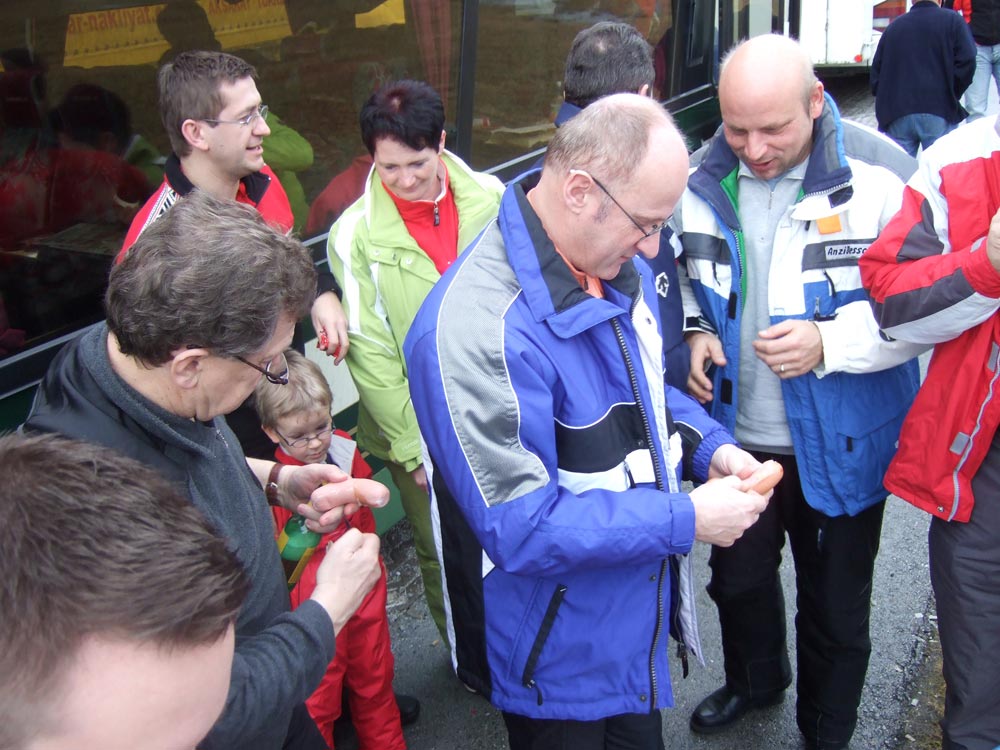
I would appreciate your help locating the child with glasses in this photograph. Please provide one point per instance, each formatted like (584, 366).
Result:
(297, 418)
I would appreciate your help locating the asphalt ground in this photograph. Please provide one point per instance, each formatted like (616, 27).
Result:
(901, 700)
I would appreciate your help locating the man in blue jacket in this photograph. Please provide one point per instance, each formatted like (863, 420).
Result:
(555, 452)
(924, 63)
(784, 200)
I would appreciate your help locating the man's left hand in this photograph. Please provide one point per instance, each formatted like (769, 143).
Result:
(731, 460)
(790, 348)
(324, 494)
(328, 318)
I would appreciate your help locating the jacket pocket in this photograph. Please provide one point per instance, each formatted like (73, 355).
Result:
(544, 629)
(866, 434)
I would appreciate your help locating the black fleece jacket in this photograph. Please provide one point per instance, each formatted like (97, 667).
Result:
(280, 655)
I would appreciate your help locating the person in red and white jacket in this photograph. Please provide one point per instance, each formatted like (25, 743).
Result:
(934, 278)
(216, 123)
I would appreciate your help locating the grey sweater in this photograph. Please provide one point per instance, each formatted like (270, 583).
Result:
(280, 655)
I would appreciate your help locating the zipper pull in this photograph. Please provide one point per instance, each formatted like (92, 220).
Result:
(682, 653)
(628, 474)
(437, 215)
(538, 690)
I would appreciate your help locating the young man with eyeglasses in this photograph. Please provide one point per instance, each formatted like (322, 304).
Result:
(786, 354)
(296, 417)
(554, 450)
(216, 123)
(189, 335)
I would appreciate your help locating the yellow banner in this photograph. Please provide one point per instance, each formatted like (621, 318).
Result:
(389, 13)
(129, 36)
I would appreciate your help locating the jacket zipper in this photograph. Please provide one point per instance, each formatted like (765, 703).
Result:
(964, 455)
(630, 367)
(528, 676)
(682, 650)
(828, 191)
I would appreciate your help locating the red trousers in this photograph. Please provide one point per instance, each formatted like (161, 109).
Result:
(363, 660)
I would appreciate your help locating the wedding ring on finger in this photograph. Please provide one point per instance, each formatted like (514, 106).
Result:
(781, 368)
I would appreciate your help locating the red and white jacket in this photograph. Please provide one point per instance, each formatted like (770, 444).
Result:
(931, 282)
(262, 190)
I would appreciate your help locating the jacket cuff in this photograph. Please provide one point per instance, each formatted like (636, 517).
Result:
(407, 451)
(412, 464)
(702, 457)
(699, 324)
(682, 533)
(326, 283)
(314, 619)
(982, 275)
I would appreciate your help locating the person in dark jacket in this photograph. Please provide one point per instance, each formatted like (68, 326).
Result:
(924, 63)
(189, 334)
(984, 23)
(607, 58)
(87, 631)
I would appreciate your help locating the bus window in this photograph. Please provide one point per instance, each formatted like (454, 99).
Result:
(82, 145)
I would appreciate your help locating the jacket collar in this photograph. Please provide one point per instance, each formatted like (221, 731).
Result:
(255, 184)
(550, 289)
(566, 112)
(828, 174)
(386, 226)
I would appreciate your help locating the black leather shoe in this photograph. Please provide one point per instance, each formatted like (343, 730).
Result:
(723, 708)
(409, 709)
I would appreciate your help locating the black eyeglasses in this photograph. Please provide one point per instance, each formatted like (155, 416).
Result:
(303, 441)
(260, 112)
(656, 229)
(276, 371)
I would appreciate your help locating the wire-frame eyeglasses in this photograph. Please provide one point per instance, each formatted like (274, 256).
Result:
(276, 370)
(301, 442)
(656, 228)
(260, 112)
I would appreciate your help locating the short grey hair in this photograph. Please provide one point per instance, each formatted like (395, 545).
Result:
(609, 138)
(209, 273)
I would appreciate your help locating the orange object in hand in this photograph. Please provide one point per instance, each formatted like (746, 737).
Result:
(765, 478)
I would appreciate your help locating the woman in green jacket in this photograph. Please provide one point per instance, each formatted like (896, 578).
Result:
(421, 207)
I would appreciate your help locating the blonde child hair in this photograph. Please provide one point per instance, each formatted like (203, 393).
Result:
(307, 390)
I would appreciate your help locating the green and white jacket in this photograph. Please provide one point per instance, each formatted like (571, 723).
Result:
(385, 277)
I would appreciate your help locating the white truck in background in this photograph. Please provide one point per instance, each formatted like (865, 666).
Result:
(841, 35)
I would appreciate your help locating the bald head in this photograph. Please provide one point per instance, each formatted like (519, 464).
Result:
(612, 177)
(769, 97)
(768, 61)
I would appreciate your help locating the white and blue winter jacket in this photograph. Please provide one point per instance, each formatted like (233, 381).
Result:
(845, 416)
(555, 458)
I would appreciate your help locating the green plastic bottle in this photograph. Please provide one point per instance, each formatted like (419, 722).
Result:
(296, 543)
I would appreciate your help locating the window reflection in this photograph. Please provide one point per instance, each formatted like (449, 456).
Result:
(82, 145)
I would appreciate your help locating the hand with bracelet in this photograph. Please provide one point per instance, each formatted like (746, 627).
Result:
(322, 493)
